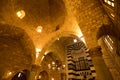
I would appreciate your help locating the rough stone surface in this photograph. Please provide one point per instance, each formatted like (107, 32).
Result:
(71, 15)
(16, 51)
(90, 16)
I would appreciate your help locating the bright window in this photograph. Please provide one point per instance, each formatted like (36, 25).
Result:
(110, 2)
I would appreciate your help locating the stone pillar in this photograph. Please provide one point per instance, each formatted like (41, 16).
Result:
(99, 64)
(34, 72)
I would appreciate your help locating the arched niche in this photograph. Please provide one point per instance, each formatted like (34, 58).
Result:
(22, 75)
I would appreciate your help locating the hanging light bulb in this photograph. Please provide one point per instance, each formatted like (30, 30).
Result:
(21, 14)
(37, 52)
(75, 40)
(39, 29)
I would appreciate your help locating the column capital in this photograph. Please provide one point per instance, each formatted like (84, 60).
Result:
(96, 51)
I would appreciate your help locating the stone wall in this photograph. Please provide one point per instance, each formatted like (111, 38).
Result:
(17, 51)
(117, 17)
(90, 16)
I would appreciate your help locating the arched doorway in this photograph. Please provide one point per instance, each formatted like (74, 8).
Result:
(52, 64)
(79, 62)
(43, 76)
(22, 75)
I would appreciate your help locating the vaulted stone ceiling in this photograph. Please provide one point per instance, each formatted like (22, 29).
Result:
(69, 15)
(63, 19)
(59, 47)
(44, 13)
(16, 51)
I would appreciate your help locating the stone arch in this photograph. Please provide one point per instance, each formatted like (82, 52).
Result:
(54, 38)
(48, 60)
(52, 55)
(17, 49)
(52, 65)
(43, 75)
(22, 75)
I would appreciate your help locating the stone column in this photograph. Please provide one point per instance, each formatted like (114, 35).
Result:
(34, 72)
(99, 64)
